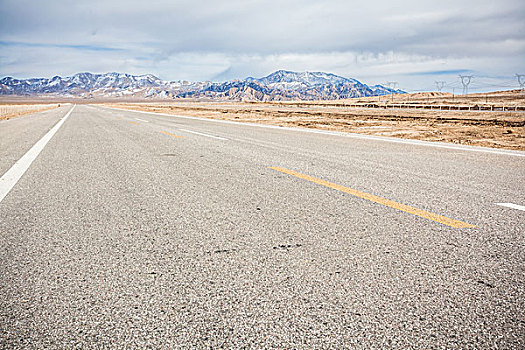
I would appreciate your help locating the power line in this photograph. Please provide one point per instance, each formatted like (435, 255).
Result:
(521, 82)
(440, 84)
(465, 80)
(392, 86)
(467, 83)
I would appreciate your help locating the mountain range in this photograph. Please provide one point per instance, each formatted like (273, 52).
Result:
(279, 86)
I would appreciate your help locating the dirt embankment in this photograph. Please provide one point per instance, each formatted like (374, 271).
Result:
(8, 111)
(480, 128)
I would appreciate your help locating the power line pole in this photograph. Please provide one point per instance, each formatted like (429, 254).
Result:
(521, 82)
(392, 86)
(465, 80)
(439, 85)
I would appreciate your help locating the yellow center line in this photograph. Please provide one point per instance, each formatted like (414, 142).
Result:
(172, 135)
(376, 199)
(134, 123)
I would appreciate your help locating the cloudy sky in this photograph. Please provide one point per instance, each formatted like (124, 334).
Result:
(414, 42)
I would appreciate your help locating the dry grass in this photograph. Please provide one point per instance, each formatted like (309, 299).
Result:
(8, 111)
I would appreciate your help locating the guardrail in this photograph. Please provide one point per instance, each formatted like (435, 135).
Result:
(475, 107)
(438, 107)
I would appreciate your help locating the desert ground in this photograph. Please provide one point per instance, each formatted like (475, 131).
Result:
(497, 129)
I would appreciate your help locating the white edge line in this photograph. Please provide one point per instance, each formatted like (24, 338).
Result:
(200, 133)
(11, 177)
(359, 136)
(512, 205)
(142, 120)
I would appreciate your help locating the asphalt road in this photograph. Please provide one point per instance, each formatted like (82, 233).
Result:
(134, 230)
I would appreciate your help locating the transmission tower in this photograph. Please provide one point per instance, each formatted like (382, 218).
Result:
(392, 86)
(439, 85)
(465, 80)
(521, 82)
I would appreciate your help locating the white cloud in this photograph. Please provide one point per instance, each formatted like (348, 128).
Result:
(199, 40)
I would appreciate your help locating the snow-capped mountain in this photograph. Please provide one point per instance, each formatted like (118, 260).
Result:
(280, 85)
(79, 84)
(304, 78)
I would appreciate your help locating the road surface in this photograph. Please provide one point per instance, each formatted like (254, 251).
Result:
(128, 229)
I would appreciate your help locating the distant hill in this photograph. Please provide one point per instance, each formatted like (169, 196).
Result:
(278, 86)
